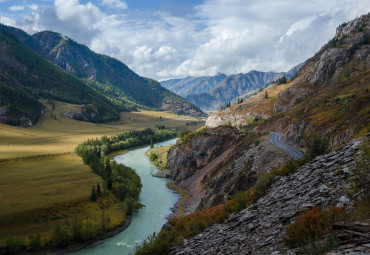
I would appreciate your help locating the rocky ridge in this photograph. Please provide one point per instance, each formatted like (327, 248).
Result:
(259, 228)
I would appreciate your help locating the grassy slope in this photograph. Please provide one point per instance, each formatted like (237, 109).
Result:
(161, 152)
(38, 168)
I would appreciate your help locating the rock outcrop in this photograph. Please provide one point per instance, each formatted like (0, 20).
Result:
(184, 159)
(259, 228)
(351, 44)
(216, 163)
(242, 173)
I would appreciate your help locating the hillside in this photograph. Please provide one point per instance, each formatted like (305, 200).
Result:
(329, 95)
(105, 74)
(25, 77)
(211, 93)
(264, 201)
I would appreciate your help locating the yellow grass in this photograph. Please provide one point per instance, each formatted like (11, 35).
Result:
(162, 155)
(38, 167)
(37, 182)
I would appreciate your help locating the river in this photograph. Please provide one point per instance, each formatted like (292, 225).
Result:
(156, 197)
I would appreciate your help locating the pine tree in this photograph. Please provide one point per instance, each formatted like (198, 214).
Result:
(266, 95)
(109, 183)
(98, 190)
(151, 144)
(93, 196)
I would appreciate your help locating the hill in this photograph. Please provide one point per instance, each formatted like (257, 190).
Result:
(328, 95)
(105, 74)
(212, 92)
(25, 77)
(264, 201)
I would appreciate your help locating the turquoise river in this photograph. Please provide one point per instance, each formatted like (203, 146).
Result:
(156, 197)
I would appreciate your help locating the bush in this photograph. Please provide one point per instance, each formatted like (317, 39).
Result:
(312, 225)
(61, 237)
(14, 244)
(180, 228)
(317, 145)
(153, 157)
(34, 242)
(361, 171)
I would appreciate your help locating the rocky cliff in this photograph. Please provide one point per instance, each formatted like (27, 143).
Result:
(260, 228)
(216, 163)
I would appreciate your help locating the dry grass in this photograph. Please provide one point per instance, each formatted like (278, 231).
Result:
(39, 170)
(258, 104)
(161, 152)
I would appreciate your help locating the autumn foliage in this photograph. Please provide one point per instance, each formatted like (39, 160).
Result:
(312, 225)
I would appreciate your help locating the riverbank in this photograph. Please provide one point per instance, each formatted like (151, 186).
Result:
(98, 240)
(155, 196)
(157, 156)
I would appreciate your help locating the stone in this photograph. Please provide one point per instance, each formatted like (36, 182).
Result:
(263, 224)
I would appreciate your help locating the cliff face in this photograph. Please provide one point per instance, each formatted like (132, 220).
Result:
(216, 163)
(259, 228)
(184, 159)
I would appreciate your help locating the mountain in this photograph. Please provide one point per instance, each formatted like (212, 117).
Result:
(105, 74)
(25, 77)
(193, 85)
(212, 92)
(329, 94)
(265, 201)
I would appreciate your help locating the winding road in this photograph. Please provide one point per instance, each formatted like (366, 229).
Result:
(275, 139)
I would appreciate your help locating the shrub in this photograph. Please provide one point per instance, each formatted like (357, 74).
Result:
(312, 225)
(34, 242)
(317, 145)
(180, 228)
(241, 200)
(14, 244)
(361, 170)
(61, 237)
(153, 157)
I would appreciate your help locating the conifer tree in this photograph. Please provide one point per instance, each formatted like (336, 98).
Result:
(93, 196)
(98, 190)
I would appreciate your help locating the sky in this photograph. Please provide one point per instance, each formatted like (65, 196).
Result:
(163, 39)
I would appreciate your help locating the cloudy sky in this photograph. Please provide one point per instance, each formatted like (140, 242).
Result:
(164, 39)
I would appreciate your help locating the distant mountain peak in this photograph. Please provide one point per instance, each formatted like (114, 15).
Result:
(212, 92)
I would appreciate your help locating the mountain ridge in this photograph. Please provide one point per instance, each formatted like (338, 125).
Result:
(25, 77)
(104, 78)
(212, 92)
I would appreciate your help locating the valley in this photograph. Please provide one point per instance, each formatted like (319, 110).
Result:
(97, 159)
(41, 173)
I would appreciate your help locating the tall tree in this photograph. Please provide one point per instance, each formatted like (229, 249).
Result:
(98, 190)
(93, 196)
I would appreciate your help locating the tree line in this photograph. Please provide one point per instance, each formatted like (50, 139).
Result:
(123, 181)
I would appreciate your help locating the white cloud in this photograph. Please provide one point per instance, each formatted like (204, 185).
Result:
(17, 7)
(114, 4)
(220, 36)
(33, 7)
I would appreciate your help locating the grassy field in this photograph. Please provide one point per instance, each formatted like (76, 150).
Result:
(39, 170)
